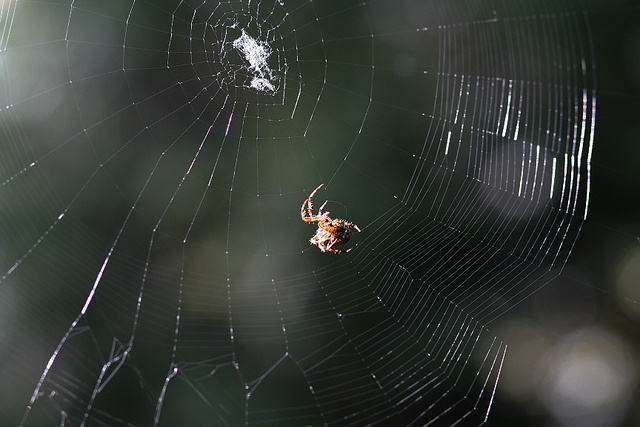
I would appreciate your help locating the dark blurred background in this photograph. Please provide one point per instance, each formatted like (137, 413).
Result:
(94, 177)
(575, 343)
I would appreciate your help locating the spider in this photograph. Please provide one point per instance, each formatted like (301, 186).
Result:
(330, 232)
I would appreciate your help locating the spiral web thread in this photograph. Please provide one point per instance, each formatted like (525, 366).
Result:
(156, 157)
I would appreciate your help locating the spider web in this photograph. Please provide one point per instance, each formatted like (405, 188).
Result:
(155, 156)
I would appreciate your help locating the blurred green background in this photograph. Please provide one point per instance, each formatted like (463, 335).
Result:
(136, 163)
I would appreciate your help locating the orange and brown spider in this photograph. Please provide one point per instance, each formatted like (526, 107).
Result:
(330, 232)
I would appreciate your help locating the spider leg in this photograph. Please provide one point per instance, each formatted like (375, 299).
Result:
(351, 225)
(310, 218)
(308, 204)
(351, 248)
(322, 207)
(340, 251)
(314, 191)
